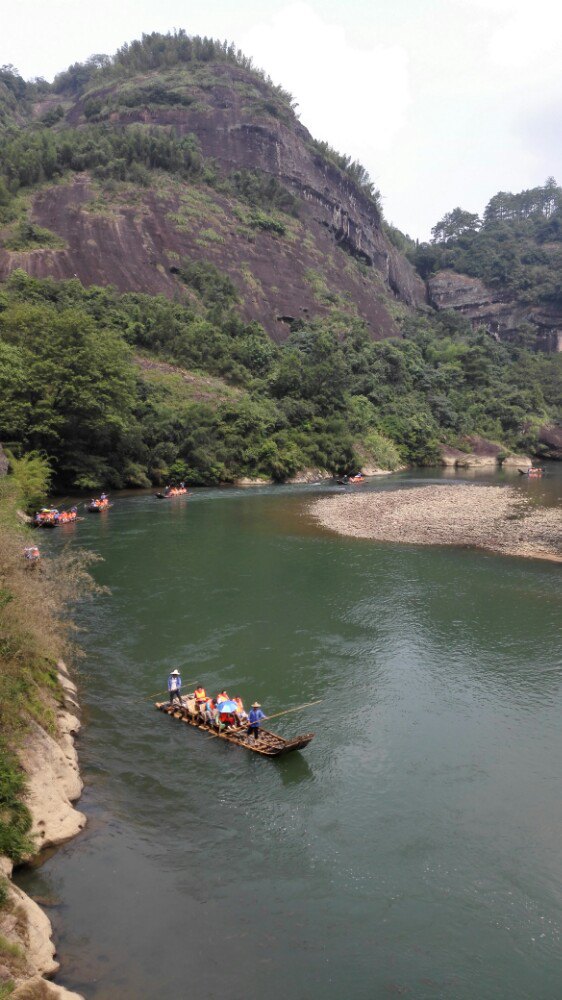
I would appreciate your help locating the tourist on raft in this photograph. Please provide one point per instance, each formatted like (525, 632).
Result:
(207, 711)
(227, 717)
(241, 713)
(255, 717)
(222, 696)
(200, 695)
(174, 686)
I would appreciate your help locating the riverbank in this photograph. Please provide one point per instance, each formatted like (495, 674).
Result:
(496, 518)
(52, 784)
(39, 775)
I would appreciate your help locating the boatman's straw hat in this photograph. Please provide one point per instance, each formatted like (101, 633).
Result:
(256, 705)
(174, 672)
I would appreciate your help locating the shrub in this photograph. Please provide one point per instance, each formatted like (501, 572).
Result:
(381, 451)
(32, 474)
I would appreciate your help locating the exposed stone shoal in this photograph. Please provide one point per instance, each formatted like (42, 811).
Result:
(497, 518)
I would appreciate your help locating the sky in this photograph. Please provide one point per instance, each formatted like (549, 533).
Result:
(445, 102)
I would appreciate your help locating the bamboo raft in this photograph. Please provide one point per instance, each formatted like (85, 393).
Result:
(268, 744)
(170, 496)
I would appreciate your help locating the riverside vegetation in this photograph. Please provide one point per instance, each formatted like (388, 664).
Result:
(77, 387)
(35, 633)
(516, 247)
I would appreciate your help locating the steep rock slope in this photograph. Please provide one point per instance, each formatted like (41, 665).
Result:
(333, 256)
(493, 309)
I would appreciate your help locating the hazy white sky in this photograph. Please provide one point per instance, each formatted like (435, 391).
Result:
(445, 102)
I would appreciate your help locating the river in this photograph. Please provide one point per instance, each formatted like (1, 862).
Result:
(412, 849)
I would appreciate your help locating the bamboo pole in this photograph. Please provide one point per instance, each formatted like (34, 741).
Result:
(296, 709)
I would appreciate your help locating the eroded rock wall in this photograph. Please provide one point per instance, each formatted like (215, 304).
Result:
(135, 245)
(53, 784)
(493, 310)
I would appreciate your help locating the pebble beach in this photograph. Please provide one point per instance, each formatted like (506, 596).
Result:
(496, 518)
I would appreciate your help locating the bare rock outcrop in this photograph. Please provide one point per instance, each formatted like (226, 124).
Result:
(516, 461)
(494, 310)
(248, 481)
(374, 470)
(480, 453)
(24, 921)
(53, 784)
(550, 441)
(309, 476)
(39, 989)
(135, 244)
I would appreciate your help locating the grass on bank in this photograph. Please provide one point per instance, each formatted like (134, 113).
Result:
(35, 632)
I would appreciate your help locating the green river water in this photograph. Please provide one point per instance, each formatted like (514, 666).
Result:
(412, 849)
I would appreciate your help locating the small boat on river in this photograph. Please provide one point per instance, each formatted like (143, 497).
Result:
(535, 472)
(47, 517)
(268, 744)
(97, 506)
(354, 480)
(50, 517)
(172, 491)
(68, 516)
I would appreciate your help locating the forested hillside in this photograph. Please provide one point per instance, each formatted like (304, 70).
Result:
(515, 250)
(193, 287)
(131, 389)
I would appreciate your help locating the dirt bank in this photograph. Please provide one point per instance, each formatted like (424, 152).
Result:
(496, 518)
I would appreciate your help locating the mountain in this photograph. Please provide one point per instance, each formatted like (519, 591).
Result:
(242, 184)
(191, 286)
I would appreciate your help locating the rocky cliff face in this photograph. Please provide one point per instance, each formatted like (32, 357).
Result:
(53, 784)
(334, 256)
(550, 442)
(495, 312)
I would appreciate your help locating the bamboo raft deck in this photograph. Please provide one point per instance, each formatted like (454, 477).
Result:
(269, 744)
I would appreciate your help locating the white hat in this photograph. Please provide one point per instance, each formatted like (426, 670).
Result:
(256, 705)
(175, 672)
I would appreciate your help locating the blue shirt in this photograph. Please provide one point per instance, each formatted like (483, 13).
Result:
(174, 682)
(256, 715)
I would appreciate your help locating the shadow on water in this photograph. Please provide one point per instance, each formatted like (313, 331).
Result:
(294, 769)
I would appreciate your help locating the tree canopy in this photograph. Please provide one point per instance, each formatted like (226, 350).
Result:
(516, 246)
(76, 388)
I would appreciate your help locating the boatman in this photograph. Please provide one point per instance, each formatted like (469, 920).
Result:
(255, 717)
(174, 686)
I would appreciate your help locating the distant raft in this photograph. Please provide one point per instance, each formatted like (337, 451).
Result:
(535, 472)
(50, 517)
(96, 506)
(268, 744)
(172, 491)
(47, 517)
